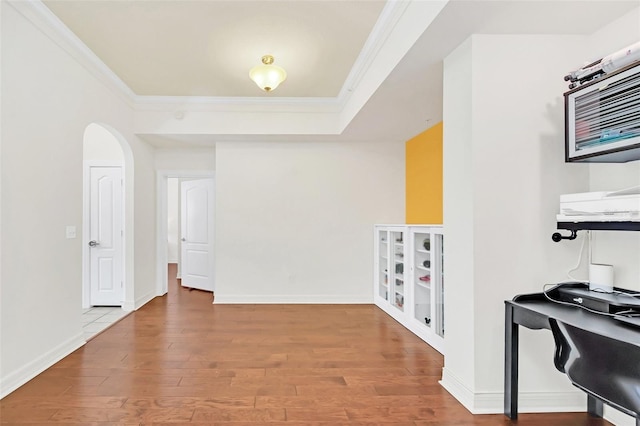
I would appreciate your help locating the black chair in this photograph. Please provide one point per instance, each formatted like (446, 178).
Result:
(580, 354)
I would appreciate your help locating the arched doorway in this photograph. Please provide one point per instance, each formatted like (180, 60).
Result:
(107, 219)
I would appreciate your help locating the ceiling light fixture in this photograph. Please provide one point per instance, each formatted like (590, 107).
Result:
(267, 76)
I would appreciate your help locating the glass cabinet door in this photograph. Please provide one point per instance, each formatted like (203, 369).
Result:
(439, 284)
(422, 278)
(383, 263)
(428, 279)
(397, 268)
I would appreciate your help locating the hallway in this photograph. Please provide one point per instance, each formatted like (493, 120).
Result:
(181, 359)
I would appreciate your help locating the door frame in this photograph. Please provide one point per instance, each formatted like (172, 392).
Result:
(86, 229)
(162, 177)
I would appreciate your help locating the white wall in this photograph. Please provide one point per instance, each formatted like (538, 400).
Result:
(48, 100)
(185, 158)
(145, 232)
(504, 168)
(621, 249)
(173, 219)
(294, 221)
(2, 391)
(503, 120)
(101, 145)
(615, 36)
(458, 217)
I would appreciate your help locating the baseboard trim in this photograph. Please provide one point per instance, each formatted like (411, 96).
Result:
(457, 389)
(14, 380)
(128, 305)
(141, 301)
(618, 418)
(528, 402)
(288, 299)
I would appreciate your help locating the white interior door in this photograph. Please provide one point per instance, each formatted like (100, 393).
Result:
(105, 236)
(196, 217)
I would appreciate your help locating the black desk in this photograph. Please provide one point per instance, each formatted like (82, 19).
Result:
(599, 354)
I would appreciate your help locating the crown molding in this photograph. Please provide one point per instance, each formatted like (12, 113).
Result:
(47, 22)
(42, 18)
(384, 26)
(236, 104)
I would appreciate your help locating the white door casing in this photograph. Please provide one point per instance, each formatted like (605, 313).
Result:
(197, 233)
(106, 236)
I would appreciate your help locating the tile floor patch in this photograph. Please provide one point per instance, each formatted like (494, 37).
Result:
(97, 319)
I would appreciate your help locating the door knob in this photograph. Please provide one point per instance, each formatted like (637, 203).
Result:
(93, 243)
(183, 239)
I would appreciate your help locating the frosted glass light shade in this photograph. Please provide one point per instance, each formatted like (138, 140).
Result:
(267, 76)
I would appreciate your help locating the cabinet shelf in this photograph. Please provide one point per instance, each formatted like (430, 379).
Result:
(423, 251)
(422, 268)
(424, 285)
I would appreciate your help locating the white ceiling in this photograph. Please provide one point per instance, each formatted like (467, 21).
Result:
(206, 48)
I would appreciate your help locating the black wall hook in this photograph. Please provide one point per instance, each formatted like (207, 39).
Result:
(558, 236)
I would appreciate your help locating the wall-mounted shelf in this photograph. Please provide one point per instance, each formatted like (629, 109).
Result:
(574, 227)
(600, 226)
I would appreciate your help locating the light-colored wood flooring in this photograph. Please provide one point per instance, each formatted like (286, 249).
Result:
(181, 359)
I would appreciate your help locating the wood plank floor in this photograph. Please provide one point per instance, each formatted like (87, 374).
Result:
(182, 360)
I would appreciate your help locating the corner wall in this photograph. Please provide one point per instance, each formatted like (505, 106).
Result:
(504, 171)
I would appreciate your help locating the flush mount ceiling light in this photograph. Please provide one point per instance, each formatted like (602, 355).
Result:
(267, 76)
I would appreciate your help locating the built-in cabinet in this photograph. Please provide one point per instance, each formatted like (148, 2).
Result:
(409, 278)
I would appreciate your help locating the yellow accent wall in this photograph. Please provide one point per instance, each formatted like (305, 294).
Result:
(424, 177)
